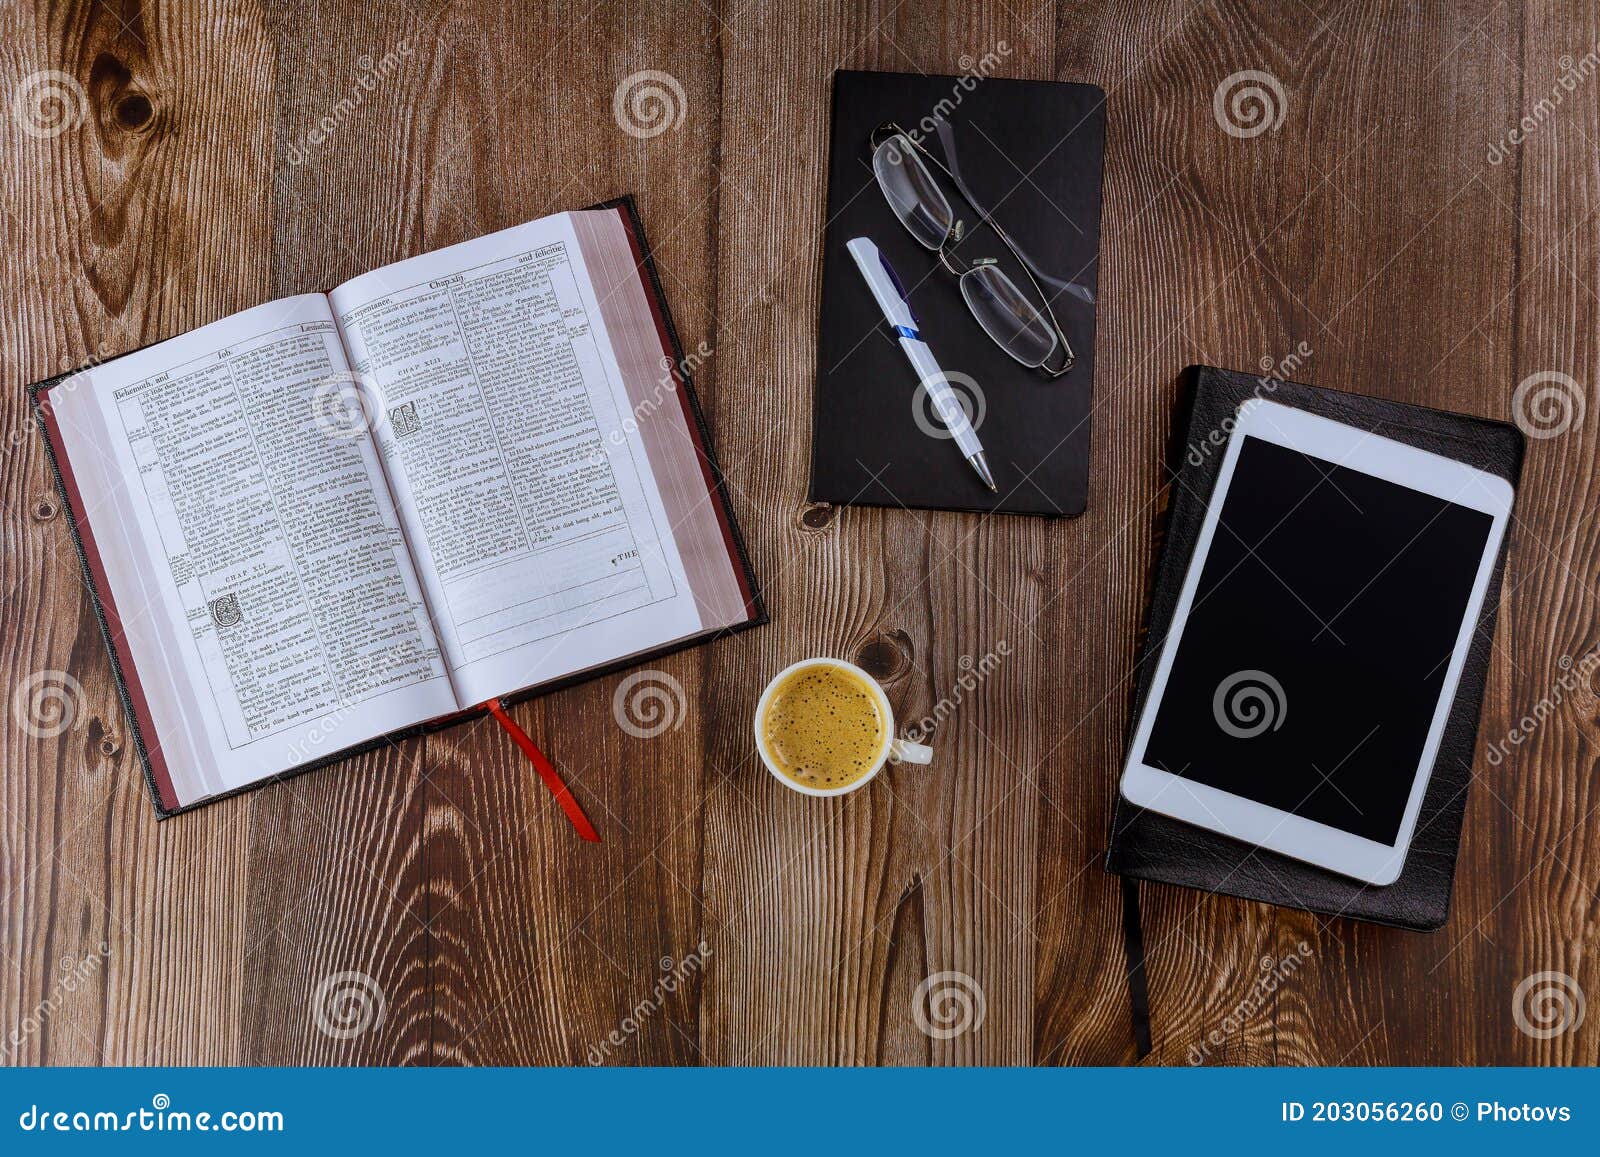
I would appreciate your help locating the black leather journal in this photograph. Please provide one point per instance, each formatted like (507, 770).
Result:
(1029, 152)
(1148, 846)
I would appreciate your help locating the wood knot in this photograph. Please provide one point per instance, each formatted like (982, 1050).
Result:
(124, 104)
(886, 656)
(45, 508)
(133, 111)
(103, 739)
(817, 516)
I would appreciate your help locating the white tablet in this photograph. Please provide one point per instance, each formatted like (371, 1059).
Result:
(1299, 697)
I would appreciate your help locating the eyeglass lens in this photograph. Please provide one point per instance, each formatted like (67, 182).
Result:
(912, 192)
(1007, 315)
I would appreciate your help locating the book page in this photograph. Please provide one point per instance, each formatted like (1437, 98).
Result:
(515, 457)
(252, 546)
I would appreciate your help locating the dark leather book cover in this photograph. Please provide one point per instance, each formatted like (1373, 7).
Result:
(1030, 153)
(1149, 846)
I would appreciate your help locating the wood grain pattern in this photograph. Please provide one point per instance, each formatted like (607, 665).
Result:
(220, 154)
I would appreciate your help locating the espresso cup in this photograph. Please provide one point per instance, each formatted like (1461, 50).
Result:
(888, 748)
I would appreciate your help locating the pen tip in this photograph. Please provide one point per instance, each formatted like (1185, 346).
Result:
(981, 464)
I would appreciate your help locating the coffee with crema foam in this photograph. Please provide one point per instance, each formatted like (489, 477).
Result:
(823, 727)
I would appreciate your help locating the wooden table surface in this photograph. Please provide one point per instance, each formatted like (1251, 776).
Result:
(428, 904)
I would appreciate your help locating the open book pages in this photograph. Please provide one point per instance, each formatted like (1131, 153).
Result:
(337, 516)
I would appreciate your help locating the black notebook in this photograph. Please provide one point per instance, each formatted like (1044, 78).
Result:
(1149, 846)
(1028, 152)
(339, 517)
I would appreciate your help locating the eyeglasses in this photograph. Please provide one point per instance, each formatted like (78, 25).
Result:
(1006, 314)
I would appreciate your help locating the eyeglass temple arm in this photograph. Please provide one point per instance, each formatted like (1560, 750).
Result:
(1061, 334)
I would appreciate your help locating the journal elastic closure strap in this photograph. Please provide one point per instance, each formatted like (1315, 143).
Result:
(547, 772)
(1138, 984)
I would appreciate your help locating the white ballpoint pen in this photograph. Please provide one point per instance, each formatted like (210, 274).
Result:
(885, 286)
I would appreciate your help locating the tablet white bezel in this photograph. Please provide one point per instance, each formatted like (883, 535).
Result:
(1257, 823)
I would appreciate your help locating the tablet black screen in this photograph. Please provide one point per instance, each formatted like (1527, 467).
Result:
(1316, 648)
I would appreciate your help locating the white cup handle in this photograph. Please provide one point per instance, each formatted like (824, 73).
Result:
(904, 751)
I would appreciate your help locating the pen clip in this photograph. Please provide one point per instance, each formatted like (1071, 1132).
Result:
(884, 284)
(899, 288)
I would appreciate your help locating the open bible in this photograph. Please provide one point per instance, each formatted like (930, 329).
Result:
(338, 517)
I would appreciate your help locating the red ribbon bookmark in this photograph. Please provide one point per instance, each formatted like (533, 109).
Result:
(552, 778)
